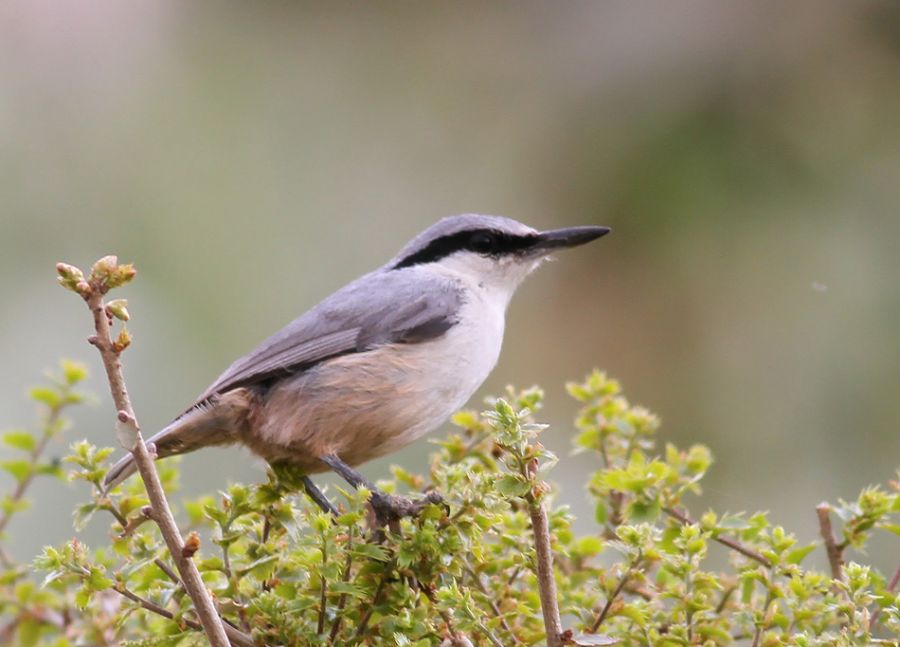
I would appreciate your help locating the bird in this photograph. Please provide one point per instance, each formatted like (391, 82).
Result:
(377, 364)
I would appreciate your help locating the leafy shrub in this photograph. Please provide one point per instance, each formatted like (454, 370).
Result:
(285, 573)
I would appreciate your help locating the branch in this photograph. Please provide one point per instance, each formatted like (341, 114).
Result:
(50, 423)
(612, 598)
(546, 580)
(892, 586)
(107, 273)
(835, 554)
(235, 637)
(725, 540)
(33, 456)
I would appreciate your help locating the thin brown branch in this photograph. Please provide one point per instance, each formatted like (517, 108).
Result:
(345, 577)
(493, 604)
(168, 571)
(429, 593)
(891, 587)
(615, 594)
(725, 540)
(835, 554)
(544, 567)
(5, 560)
(162, 514)
(363, 624)
(323, 598)
(235, 637)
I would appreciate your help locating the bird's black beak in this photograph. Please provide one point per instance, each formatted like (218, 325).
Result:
(548, 241)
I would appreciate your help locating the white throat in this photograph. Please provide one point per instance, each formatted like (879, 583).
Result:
(495, 280)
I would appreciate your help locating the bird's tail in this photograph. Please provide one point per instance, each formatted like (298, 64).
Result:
(190, 432)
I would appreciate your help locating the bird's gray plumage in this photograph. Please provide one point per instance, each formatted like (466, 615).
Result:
(381, 307)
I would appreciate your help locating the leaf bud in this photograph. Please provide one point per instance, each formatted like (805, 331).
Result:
(122, 342)
(69, 276)
(118, 308)
(121, 275)
(103, 268)
(191, 545)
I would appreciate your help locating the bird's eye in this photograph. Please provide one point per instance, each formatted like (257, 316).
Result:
(483, 242)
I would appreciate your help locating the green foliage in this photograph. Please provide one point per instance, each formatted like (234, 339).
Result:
(285, 573)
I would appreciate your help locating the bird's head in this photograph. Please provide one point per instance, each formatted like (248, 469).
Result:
(491, 251)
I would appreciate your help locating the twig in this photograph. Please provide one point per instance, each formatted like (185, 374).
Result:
(338, 619)
(22, 485)
(360, 630)
(493, 604)
(323, 598)
(726, 596)
(546, 580)
(92, 291)
(235, 637)
(892, 586)
(612, 598)
(429, 593)
(725, 540)
(5, 560)
(835, 556)
(168, 571)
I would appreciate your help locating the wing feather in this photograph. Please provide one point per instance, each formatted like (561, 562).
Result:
(399, 306)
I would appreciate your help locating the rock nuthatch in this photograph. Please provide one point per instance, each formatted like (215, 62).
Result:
(377, 364)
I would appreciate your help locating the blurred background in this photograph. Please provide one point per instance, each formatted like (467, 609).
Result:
(252, 158)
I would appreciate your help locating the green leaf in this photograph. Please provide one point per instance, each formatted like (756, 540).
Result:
(798, 554)
(512, 485)
(19, 439)
(588, 546)
(643, 511)
(601, 513)
(19, 468)
(46, 395)
(73, 372)
(83, 513)
(371, 551)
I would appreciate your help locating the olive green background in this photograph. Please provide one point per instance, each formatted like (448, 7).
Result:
(250, 158)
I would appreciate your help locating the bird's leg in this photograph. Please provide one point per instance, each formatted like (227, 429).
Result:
(318, 498)
(347, 473)
(387, 508)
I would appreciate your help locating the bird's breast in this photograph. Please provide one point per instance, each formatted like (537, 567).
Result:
(367, 404)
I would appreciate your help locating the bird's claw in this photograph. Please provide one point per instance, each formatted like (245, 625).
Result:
(389, 508)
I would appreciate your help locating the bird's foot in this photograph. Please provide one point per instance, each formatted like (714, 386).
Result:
(389, 509)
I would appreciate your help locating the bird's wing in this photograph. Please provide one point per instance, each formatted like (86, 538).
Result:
(401, 306)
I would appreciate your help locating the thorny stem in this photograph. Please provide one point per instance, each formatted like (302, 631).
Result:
(835, 553)
(162, 514)
(725, 540)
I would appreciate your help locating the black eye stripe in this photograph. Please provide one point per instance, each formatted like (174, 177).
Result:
(481, 241)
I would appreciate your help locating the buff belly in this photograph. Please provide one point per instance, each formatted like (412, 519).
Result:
(369, 404)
